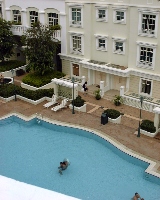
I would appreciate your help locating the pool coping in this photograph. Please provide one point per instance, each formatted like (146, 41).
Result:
(153, 164)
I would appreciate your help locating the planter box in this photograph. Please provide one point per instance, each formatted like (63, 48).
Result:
(116, 121)
(80, 109)
(148, 133)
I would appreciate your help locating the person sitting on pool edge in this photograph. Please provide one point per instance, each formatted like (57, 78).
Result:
(63, 166)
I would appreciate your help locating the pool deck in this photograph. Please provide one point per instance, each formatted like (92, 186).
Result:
(124, 133)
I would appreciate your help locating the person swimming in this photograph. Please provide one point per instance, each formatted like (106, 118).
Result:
(63, 166)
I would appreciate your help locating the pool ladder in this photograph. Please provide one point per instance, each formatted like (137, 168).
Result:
(39, 118)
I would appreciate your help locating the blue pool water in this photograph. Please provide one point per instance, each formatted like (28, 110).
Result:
(31, 152)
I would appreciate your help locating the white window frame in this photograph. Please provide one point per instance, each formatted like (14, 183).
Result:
(33, 17)
(72, 51)
(147, 12)
(16, 16)
(103, 19)
(52, 20)
(145, 65)
(72, 23)
(119, 9)
(73, 63)
(140, 87)
(101, 37)
(114, 45)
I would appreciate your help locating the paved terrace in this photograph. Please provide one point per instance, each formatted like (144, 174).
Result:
(124, 133)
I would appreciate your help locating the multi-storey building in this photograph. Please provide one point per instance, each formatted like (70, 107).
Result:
(25, 13)
(115, 41)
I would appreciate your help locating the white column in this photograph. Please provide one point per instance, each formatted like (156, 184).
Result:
(102, 88)
(56, 89)
(83, 79)
(24, 18)
(8, 14)
(127, 83)
(156, 121)
(42, 17)
(62, 17)
(121, 90)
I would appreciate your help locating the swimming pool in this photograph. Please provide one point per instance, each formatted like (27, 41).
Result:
(31, 151)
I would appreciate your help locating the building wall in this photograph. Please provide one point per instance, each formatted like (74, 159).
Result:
(156, 89)
(66, 67)
(134, 84)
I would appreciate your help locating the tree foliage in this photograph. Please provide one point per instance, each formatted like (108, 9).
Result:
(40, 47)
(6, 39)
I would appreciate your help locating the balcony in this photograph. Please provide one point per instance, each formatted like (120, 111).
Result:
(20, 30)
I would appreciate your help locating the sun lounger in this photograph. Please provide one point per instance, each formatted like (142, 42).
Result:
(54, 101)
(62, 105)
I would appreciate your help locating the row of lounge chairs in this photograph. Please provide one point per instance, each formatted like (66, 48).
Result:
(63, 103)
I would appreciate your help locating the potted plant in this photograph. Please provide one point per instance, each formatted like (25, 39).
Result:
(97, 94)
(78, 102)
(118, 100)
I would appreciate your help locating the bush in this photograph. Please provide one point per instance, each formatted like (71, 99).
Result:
(78, 102)
(11, 64)
(7, 90)
(37, 80)
(113, 114)
(148, 125)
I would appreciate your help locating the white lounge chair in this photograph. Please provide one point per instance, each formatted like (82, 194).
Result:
(54, 101)
(62, 105)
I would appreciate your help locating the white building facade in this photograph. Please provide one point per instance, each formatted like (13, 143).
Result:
(25, 13)
(115, 41)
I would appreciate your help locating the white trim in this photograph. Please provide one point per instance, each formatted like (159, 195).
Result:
(122, 40)
(119, 9)
(78, 24)
(99, 7)
(147, 45)
(140, 87)
(103, 37)
(71, 43)
(151, 12)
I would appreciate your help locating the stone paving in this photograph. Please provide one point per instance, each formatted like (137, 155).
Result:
(123, 133)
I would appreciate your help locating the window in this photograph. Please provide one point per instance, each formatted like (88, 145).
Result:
(119, 15)
(146, 86)
(33, 17)
(76, 43)
(52, 19)
(76, 15)
(17, 16)
(101, 13)
(1, 10)
(75, 69)
(101, 42)
(146, 55)
(118, 46)
(148, 22)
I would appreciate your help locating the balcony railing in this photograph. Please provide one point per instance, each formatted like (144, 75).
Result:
(20, 30)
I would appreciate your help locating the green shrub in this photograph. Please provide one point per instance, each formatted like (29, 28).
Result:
(148, 125)
(78, 102)
(11, 64)
(7, 90)
(113, 114)
(37, 80)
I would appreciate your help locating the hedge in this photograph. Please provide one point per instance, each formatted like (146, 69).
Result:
(11, 64)
(113, 114)
(78, 102)
(148, 126)
(38, 80)
(7, 90)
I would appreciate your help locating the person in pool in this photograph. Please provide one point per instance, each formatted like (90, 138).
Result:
(137, 197)
(63, 166)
